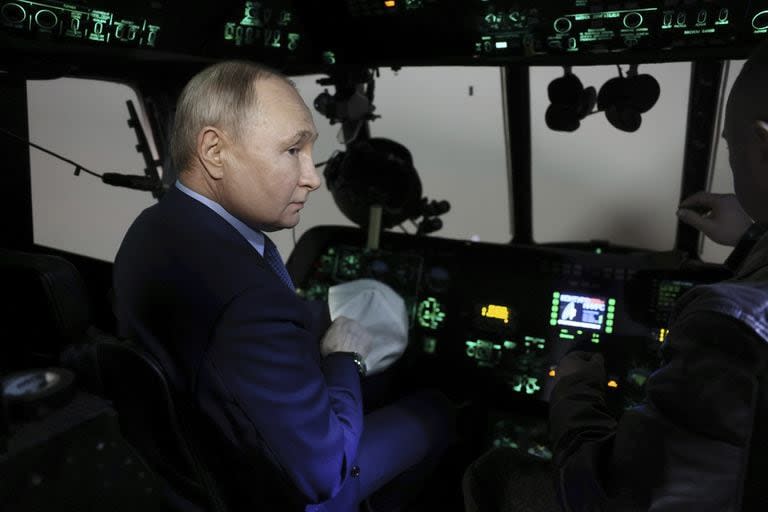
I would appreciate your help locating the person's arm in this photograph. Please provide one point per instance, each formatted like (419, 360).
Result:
(719, 216)
(268, 390)
(685, 448)
(580, 426)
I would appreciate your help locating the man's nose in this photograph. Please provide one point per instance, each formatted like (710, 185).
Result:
(311, 178)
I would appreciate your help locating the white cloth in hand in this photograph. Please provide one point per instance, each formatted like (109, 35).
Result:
(379, 309)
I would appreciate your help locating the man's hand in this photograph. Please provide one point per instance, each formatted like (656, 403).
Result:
(719, 216)
(346, 335)
(579, 361)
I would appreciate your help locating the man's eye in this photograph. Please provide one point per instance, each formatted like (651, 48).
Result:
(293, 151)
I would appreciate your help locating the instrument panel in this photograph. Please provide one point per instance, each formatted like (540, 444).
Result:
(496, 319)
(313, 36)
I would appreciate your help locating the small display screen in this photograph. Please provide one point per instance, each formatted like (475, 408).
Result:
(581, 311)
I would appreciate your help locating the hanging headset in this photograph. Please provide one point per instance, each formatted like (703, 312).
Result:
(624, 99)
(570, 102)
(375, 171)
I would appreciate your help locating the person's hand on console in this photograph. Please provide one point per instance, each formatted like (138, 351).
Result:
(581, 362)
(719, 216)
(346, 335)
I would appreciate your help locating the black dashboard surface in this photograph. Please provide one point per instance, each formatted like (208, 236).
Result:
(495, 318)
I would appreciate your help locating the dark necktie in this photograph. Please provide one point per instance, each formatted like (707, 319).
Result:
(274, 260)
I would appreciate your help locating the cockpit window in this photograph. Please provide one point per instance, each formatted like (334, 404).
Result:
(451, 120)
(85, 121)
(722, 178)
(601, 183)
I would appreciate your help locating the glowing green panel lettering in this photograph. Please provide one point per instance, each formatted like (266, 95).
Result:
(329, 58)
(430, 313)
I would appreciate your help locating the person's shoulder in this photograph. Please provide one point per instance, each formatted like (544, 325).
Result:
(740, 300)
(718, 326)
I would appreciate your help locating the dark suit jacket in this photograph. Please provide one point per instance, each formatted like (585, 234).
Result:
(243, 346)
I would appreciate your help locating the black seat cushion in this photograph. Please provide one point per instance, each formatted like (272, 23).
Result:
(45, 308)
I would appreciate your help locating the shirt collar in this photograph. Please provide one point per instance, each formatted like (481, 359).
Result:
(254, 237)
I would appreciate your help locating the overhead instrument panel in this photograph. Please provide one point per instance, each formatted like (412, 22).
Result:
(92, 31)
(137, 25)
(703, 23)
(527, 28)
(265, 26)
(600, 29)
(309, 37)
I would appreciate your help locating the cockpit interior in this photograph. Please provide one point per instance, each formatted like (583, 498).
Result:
(399, 89)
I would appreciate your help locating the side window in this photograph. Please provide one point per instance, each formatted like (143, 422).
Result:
(721, 180)
(599, 183)
(85, 121)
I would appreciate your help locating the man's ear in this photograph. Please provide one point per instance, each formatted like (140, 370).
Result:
(210, 143)
(761, 128)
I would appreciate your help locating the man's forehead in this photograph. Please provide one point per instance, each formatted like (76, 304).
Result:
(277, 97)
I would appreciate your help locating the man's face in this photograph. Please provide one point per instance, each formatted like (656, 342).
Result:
(269, 171)
(747, 154)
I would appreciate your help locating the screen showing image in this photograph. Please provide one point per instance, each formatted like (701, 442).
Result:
(581, 311)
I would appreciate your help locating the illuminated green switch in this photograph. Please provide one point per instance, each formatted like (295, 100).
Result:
(531, 385)
(430, 313)
(329, 58)
(293, 41)
(430, 345)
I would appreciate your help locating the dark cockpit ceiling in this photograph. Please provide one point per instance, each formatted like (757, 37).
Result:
(125, 38)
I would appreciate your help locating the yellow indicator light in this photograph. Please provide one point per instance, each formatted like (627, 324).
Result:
(498, 312)
(613, 384)
(389, 3)
(663, 335)
(552, 373)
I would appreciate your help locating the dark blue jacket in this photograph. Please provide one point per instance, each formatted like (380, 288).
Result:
(243, 347)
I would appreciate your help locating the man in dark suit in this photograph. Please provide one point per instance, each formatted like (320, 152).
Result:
(199, 284)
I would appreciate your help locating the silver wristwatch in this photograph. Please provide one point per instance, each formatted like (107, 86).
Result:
(362, 369)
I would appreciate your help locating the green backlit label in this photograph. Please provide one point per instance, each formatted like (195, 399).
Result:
(525, 384)
(430, 345)
(760, 22)
(430, 313)
(485, 353)
(329, 58)
(505, 442)
(535, 342)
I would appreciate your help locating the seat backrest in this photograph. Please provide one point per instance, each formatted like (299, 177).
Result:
(150, 414)
(46, 307)
(47, 322)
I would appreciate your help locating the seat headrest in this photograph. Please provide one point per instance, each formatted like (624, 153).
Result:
(46, 306)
